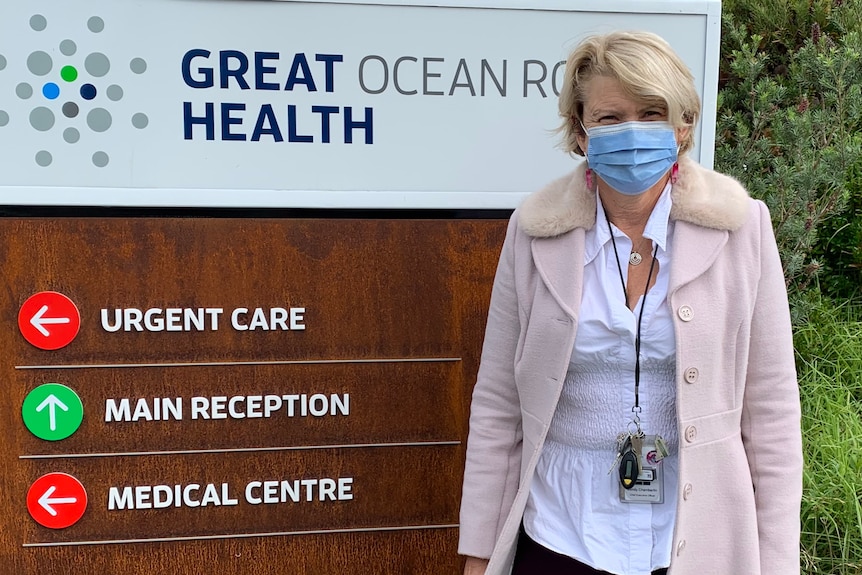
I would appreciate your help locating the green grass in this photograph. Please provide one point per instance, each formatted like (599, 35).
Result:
(829, 360)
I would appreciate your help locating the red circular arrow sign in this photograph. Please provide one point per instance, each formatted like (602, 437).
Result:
(56, 500)
(49, 320)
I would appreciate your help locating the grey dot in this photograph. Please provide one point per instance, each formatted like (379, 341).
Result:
(68, 48)
(138, 65)
(38, 22)
(114, 92)
(43, 158)
(24, 90)
(39, 63)
(4, 118)
(97, 64)
(140, 121)
(95, 24)
(2, 62)
(71, 135)
(100, 159)
(99, 119)
(70, 109)
(42, 119)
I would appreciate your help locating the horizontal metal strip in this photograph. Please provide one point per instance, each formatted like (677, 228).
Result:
(240, 536)
(229, 363)
(242, 450)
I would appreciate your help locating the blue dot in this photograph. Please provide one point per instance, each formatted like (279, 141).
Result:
(51, 90)
(88, 91)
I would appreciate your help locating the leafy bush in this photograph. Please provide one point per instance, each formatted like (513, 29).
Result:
(840, 245)
(789, 116)
(790, 128)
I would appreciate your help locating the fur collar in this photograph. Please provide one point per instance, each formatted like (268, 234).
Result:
(700, 196)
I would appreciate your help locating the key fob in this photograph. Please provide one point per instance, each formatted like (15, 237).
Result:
(628, 469)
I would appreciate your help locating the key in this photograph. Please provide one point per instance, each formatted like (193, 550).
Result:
(623, 444)
(616, 461)
(661, 450)
(637, 444)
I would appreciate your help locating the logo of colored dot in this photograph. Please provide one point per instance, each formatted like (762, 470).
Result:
(69, 73)
(88, 68)
(51, 90)
(70, 109)
(88, 91)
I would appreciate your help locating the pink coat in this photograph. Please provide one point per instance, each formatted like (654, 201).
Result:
(740, 459)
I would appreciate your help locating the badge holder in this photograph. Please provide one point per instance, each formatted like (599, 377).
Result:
(638, 464)
(643, 473)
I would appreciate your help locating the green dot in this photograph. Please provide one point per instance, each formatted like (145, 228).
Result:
(69, 73)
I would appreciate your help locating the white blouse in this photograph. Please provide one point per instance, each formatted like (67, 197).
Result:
(574, 506)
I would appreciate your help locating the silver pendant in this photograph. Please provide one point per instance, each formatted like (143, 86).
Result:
(635, 259)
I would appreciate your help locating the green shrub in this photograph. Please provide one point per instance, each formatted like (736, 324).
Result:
(840, 244)
(789, 120)
(790, 128)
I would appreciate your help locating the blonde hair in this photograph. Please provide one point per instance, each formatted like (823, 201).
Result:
(646, 67)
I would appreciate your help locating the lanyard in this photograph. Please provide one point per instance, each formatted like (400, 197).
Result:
(636, 409)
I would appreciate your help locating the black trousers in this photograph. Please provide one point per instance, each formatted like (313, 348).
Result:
(534, 559)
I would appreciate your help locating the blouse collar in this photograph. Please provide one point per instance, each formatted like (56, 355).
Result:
(656, 227)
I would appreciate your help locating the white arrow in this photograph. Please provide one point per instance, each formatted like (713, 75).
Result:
(38, 321)
(52, 403)
(46, 502)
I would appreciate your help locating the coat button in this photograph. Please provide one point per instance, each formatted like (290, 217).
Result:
(690, 433)
(686, 491)
(680, 547)
(691, 375)
(685, 313)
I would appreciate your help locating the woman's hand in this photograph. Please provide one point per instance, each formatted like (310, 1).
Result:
(475, 566)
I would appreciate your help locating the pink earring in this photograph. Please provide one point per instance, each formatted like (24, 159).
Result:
(674, 173)
(588, 177)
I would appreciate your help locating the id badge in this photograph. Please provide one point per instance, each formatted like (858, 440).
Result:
(649, 487)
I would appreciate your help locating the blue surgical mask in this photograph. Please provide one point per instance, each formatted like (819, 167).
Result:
(633, 156)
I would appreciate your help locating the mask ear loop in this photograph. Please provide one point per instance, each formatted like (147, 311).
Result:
(674, 171)
(588, 174)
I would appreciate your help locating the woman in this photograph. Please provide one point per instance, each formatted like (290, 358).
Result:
(636, 407)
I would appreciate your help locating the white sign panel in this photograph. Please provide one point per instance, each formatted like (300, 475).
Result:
(304, 104)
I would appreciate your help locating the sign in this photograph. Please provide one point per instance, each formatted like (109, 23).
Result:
(52, 412)
(49, 320)
(292, 103)
(56, 500)
(267, 387)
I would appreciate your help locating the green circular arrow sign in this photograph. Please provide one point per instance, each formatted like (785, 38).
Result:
(52, 411)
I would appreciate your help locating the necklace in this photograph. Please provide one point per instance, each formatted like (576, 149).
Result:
(635, 258)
